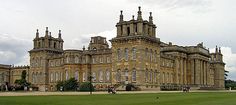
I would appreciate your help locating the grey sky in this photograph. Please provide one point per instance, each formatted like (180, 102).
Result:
(183, 22)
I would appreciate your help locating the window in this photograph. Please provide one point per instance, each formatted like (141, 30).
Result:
(67, 75)
(57, 76)
(101, 59)
(146, 75)
(108, 75)
(52, 77)
(67, 59)
(146, 53)
(76, 75)
(134, 75)
(61, 76)
(118, 54)
(126, 75)
(118, 76)
(126, 54)
(151, 54)
(101, 76)
(155, 77)
(163, 78)
(155, 56)
(93, 60)
(36, 78)
(92, 40)
(54, 46)
(108, 59)
(94, 76)
(134, 53)
(84, 77)
(33, 79)
(150, 78)
(76, 59)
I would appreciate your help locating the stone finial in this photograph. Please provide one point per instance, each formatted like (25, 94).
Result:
(150, 18)
(50, 34)
(59, 34)
(121, 16)
(219, 50)
(216, 49)
(46, 32)
(83, 48)
(139, 14)
(37, 33)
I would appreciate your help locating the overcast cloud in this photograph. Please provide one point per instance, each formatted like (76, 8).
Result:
(183, 22)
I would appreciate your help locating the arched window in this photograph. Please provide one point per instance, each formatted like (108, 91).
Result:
(101, 76)
(76, 59)
(134, 75)
(118, 54)
(108, 75)
(118, 76)
(57, 76)
(76, 75)
(134, 53)
(126, 54)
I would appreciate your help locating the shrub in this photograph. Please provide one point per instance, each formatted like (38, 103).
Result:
(85, 86)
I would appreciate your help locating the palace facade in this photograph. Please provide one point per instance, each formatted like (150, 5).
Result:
(136, 57)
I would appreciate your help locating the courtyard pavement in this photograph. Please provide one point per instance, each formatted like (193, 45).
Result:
(37, 93)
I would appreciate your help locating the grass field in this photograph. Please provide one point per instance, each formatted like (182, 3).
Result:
(220, 98)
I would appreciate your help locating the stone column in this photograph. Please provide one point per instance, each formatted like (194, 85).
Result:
(150, 30)
(177, 71)
(131, 29)
(119, 30)
(185, 71)
(124, 30)
(197, 71)
(145, 29)
(192, 71)
(140, 28)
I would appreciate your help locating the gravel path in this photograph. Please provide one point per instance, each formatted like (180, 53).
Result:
(36, 93)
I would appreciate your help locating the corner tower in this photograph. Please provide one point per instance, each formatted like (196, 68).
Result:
(218, 66)
(135, 52)
(44, 48)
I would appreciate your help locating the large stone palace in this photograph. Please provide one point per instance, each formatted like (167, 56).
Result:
(136, 57)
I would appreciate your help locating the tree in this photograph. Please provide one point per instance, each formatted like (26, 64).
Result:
(22, 82)
(67, 85)
(226, 74)
(23, 75)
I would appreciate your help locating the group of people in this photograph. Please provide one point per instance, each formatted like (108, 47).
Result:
(111, 89)
(186, 89)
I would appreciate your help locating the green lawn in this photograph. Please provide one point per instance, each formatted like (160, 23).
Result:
(126, 99)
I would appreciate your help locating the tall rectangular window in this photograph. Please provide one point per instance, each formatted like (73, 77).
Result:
(126, 54)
